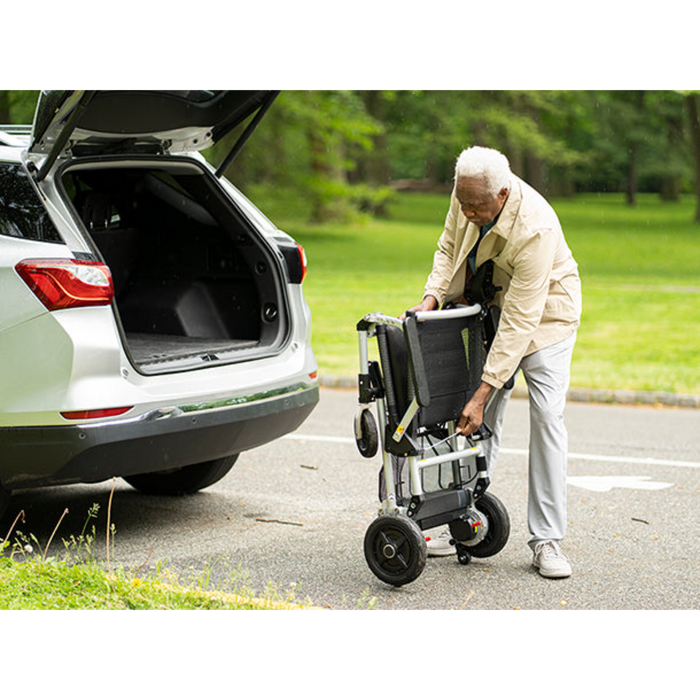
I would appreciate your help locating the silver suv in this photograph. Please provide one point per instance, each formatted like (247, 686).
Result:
(152, 324)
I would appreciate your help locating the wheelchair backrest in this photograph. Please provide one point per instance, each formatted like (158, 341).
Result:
(446, 356)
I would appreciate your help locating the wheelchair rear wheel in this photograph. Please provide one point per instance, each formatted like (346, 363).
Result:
(498, 527)
(395, 549)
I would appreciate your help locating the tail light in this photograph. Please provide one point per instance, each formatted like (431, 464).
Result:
(63, 284)
(295, 259)
(302, 262)
(98, 413)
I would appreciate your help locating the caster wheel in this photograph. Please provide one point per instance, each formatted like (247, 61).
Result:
(395, 549)
(366, 434)
(498, 527)
(463, 556)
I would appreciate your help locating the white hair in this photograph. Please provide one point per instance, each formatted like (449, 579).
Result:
(485, 164)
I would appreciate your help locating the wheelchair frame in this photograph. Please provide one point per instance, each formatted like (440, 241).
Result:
(417, 414)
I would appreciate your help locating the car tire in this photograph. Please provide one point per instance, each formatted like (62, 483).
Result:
(185, 480)
(4, 500)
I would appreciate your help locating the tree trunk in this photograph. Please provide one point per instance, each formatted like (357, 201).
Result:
(373, 166)
(691, 102)
(4, 107)
(637, 98)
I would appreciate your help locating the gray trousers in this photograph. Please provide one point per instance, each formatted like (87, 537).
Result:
(547, 374)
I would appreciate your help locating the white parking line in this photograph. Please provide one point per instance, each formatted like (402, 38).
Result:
(320, 438)
(607, 483)
(651, 461)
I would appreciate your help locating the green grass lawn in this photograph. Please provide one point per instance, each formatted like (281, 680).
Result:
(51, 585)
(640, 268)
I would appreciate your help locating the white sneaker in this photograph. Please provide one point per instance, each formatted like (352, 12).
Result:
(550, 560)
(439, 544)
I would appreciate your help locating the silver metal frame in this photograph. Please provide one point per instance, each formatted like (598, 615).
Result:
(458, 450)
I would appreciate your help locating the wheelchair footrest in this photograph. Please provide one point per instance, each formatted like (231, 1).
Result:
(435, 509)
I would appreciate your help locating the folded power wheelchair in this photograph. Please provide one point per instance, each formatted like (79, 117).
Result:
(430, 364)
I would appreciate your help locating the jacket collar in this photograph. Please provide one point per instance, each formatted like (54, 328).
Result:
(506, 219)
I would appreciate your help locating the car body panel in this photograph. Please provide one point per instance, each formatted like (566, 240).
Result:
(133, 121)
(77, 360)
(159, 441)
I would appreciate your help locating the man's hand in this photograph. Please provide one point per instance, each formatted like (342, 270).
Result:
(473, 413)
(429, 303)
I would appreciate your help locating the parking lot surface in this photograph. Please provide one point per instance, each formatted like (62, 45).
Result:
(293, 515)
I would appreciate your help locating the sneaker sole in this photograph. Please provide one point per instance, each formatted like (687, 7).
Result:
(442, 553)
(551, 574)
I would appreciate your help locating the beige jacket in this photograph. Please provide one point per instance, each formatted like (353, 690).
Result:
(541, 297)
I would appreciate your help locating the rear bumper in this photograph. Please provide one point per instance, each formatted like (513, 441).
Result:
(160, 440)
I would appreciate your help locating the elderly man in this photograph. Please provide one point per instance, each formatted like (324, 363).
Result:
(495, 216)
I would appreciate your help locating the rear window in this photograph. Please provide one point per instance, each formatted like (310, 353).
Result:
(192, 94)
(22, 214)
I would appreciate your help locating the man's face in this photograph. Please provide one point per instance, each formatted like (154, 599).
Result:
(475, 201)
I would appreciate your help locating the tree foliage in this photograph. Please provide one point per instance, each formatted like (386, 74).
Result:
(343, 150)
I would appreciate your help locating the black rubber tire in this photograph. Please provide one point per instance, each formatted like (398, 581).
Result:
(368, 440)
(4, 501)
(395, 549)
(499, 527)
(179, 482)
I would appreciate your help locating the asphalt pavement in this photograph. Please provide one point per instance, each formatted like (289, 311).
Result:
(292, 515)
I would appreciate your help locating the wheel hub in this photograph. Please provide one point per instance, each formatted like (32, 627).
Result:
(389, 551)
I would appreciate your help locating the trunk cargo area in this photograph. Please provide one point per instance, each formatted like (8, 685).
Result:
(195, 283)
